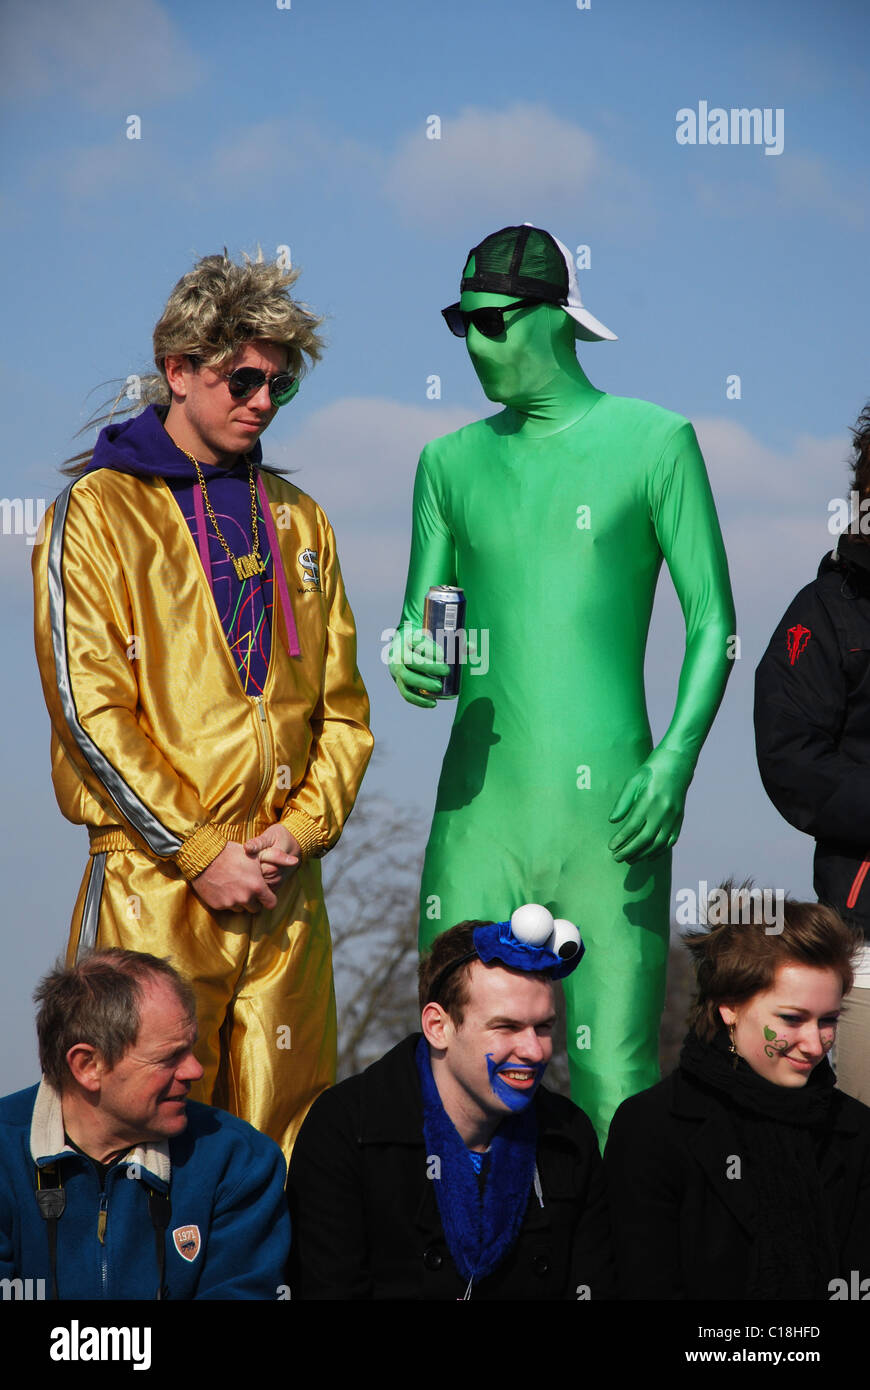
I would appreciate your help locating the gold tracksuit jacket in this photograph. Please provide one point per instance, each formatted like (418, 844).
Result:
(160, 753)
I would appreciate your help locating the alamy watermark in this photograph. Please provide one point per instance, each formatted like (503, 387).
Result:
(465, 646)
(741, 125)
(746, 906)
(77, 1343)
(856, 1288)
(23, 516)
(852, 515)
(28, 1290)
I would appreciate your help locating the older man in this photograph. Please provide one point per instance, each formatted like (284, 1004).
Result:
(112, 1184)
(445, 1171)
(198, 658)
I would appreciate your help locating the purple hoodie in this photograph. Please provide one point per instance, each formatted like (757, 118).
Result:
(142, 447)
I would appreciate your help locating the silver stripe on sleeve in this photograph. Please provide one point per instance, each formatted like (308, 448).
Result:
(160, 840)
(91, 913)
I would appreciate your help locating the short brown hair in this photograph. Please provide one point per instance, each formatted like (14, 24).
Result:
(452, 991)
(96, 1001)
(736, 959)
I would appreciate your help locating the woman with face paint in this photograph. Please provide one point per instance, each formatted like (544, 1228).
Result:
(746, 1174)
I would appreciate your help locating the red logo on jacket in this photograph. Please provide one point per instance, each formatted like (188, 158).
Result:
(797, 638)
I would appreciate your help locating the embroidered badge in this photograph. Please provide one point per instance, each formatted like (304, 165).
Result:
(187, 1241)
(797, 638)
(310, 568)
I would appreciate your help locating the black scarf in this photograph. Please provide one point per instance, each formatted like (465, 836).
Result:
(783, 1130)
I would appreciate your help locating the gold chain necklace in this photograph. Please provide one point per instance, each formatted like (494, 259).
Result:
(246, 566)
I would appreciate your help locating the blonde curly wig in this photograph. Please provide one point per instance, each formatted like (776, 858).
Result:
(215, 309)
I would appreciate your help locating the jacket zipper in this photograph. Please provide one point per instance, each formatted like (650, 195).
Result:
(857, 884)
(102, 1221)
(263, 729)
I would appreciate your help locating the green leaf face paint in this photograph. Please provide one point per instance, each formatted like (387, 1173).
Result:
(773, 1043)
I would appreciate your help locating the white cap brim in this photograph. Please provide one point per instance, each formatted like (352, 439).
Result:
(589, 328)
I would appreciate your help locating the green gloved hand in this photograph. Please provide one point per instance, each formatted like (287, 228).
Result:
(415, 666)
(651, 806)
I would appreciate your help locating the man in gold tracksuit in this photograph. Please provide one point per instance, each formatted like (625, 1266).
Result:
(209, 724)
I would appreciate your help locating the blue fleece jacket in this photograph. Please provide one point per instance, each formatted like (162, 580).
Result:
(228, 1234)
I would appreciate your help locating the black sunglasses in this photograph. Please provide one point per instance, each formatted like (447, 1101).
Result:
(489, 320)
(245, 381)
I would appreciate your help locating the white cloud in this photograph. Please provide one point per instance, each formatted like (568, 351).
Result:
(773, 507)
(95, 51)
(256, 157)
(254, 153)
(796, 182)
(810, 182)
(358, 457)
(89, 173)
(261, 153)
(507, 163)
(751, 477)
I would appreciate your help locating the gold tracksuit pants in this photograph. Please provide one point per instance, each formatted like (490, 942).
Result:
(263, 984)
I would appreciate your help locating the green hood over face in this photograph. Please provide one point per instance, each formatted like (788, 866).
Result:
(521, 361)
(532, 367)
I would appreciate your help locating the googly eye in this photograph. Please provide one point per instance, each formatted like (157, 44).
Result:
(564, 939)
(532, 924)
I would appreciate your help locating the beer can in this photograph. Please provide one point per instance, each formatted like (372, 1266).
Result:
(444, 620)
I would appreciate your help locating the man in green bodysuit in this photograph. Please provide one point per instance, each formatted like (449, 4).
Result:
(554, 516)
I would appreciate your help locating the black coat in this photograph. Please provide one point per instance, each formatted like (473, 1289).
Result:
(682, 1228)
(812, 724)
(365, 1216)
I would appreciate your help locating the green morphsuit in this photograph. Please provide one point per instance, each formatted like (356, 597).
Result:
(554, 516)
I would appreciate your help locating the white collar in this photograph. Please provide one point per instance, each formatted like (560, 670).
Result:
(47, 1138)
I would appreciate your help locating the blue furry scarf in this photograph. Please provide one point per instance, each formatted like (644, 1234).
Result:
(480, 1229)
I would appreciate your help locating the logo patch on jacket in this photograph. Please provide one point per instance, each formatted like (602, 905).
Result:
(310, 569)
(797, 638)
(187, 1241)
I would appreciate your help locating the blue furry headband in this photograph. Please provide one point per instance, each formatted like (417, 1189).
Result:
(531, 941)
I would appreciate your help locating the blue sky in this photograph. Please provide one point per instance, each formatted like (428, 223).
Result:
(307, 127)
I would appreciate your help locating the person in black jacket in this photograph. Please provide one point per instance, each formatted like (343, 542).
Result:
(746, 1174)
(812, 738)
(445, 1170)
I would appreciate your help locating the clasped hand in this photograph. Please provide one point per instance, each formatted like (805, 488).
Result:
(243, 877)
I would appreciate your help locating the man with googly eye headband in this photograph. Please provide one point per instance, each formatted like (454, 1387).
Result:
(532, 940)
(447, 1170)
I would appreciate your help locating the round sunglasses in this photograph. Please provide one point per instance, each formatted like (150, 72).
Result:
(489, 320)
(246, 381)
